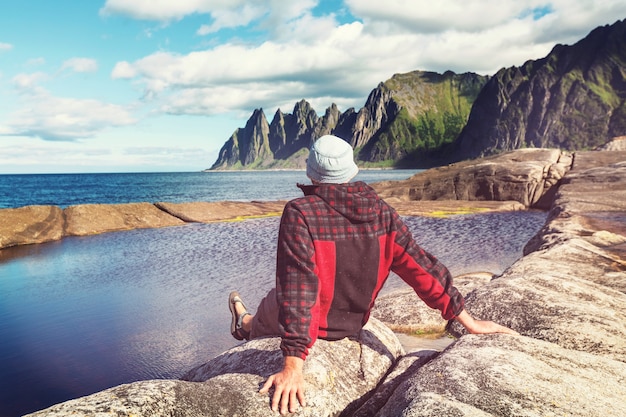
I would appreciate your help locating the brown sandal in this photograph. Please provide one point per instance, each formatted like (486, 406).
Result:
(236, 324)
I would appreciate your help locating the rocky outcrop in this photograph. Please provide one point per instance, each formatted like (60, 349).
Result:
(573, 99)
(248, 145)
(280, 144)
(206, 212)
(38, 224)
(566, 296)
(615, 144)
(338, 374)
(504, 376)
(591, 198)
(91, 219)
(410, 116)
(289, 133)
(528, 176)
(32, 224)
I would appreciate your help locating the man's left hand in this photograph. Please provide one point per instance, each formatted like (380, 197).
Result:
(482, 326)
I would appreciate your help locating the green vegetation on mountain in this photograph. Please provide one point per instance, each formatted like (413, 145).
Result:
(433, 108)
(574, 98)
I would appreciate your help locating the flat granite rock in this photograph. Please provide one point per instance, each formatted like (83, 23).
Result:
(208, 212)
(90, 219)
(31, 224)
(557, 296)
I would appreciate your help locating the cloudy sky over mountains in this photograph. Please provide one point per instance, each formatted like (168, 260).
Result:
(159, 85)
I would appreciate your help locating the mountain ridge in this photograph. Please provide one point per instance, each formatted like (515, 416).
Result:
(574, 98)
(389, 126)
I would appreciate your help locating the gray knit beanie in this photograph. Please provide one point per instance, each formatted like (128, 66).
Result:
(331, 160)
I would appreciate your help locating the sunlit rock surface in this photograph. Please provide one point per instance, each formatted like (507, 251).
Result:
(31, 224)
(528, 176)
(91, 219)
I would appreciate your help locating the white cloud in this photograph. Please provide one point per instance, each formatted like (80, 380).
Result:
(427, 16)
(223, 13)
(5, 46)
(29, 82)
(232, 77)
(165, 10)
(123, 69)
(231, 18)
(63, 119)
(80, 65)
(562, 19)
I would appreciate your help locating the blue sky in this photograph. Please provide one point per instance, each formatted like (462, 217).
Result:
(160, 85)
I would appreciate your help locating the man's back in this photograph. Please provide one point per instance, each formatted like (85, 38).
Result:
(336, 248)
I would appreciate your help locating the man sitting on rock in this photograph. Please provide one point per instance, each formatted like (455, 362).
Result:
(336, 247)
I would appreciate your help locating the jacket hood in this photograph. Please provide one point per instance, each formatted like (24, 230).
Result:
(356, 201)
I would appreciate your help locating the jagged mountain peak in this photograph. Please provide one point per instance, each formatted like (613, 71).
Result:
(574, 98)
(421, 95)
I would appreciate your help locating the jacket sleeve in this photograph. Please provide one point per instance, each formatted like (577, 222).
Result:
(296, 285)
(430, 279)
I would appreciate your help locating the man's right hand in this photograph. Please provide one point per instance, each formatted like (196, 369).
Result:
(289, 386)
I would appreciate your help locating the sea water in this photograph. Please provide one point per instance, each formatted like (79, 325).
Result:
(117, 188)
(87, 313)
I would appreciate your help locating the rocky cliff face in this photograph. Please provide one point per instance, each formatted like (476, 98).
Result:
(408, 114)
(278, 144)
(247, 146)
(573, 99)
(411, 116)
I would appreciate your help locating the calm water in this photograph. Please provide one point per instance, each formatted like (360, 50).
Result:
(84, 314)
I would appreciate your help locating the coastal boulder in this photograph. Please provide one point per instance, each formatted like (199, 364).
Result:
(529, 176)
(30, 224)
(570, 287)
(339, 376)
(91, 219)
(591, 199)
(503, 375)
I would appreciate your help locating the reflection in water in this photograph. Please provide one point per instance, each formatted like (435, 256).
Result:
(84, 314)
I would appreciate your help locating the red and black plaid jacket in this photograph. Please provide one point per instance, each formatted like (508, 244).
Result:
(336, 247)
